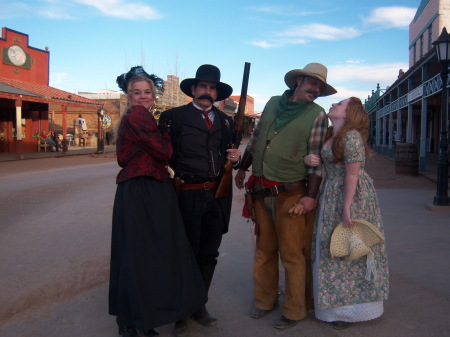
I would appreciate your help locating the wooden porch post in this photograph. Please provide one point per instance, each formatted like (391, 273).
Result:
(64, 129)
(19, 144)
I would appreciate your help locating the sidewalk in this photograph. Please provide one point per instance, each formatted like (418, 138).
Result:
(72, 151)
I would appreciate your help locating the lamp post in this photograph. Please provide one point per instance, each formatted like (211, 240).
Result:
(100, 141)
(442, 45)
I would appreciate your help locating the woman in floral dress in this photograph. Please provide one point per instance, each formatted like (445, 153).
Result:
(342, 294)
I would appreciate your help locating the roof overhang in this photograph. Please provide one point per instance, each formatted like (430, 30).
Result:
(23, 91)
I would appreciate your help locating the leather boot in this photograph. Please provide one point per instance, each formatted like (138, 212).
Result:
(181, 328)
(202, 316)
(147, 333)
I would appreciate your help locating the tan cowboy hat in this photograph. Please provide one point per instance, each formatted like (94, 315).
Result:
(354, 242)
(315, 70)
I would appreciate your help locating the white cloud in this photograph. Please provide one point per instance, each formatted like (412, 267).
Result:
(351, 61)
(344, 92)
(387, 17)
(359, 80)
(264, 44)
(322, 32)
(384, 74)
(123, 9)
(302, 34)
(57, 9)
(382, 17)
(294, 41)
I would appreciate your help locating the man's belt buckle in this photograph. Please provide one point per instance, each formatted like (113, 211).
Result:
(208, 185)
(274, 190)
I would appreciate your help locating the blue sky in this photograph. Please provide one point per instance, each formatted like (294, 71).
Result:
(91, 42)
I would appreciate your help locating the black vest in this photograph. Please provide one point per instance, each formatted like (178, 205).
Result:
(198, 153)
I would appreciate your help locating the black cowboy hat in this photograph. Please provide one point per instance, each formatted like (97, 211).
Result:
(208, 73)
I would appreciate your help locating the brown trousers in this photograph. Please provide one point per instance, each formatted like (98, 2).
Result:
(290, 239)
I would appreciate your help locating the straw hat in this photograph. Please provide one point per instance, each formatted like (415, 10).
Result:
(354, 242)
(315, 70)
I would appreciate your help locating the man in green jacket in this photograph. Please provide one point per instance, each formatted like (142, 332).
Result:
(291, 126)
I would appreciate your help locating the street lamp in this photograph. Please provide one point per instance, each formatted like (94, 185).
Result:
(100, 141)
(442, 45)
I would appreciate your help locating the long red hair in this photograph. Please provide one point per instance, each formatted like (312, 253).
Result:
(356, 119)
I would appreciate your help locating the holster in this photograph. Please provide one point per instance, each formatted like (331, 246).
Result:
(251, 207)
(177, 185)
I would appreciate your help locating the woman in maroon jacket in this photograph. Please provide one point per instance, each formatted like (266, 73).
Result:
(154, 277)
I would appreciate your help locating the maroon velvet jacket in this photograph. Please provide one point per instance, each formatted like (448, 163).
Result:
(141, 149)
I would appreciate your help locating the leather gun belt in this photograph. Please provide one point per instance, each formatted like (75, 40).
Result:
(203, 186)
(275, 190)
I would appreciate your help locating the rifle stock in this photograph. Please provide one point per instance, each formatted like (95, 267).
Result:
(224, 186)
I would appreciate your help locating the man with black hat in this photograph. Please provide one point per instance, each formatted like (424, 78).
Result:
(201, 135)
(284, 191)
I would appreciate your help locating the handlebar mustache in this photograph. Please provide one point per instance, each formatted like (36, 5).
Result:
(206, 97)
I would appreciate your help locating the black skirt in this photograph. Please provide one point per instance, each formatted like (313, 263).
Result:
(154, 277)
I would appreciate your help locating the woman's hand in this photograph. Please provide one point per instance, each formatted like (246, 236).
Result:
(295, 210)
(233, 155)
(347, 219)
(312, 160)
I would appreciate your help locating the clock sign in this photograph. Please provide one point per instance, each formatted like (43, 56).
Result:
(15, 55)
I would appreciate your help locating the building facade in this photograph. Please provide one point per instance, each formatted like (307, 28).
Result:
(408, 111)
(172, 95)
(26, 99)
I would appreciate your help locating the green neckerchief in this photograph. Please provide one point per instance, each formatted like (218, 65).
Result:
(287, 110)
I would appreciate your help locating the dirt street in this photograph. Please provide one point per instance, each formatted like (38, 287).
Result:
(76, 304)
(55, 219)
(381, 169)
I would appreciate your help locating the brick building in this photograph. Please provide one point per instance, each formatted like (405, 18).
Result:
(27, 102)
(230, 107)
(172, 96)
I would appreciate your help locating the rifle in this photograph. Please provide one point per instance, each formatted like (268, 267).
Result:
(223, 188)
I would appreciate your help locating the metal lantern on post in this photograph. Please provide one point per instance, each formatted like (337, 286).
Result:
(442, 45)
(100, 141)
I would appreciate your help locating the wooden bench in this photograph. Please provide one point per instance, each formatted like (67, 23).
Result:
(84, 140)
(42, 143)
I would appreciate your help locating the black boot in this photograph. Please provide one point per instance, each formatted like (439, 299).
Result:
(147, 333)
(181, 328)
(202, 316)
(127, 331)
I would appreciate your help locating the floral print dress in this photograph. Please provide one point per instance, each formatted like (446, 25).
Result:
(341, 291)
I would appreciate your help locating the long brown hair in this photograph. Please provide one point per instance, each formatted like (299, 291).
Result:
(356, 119)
